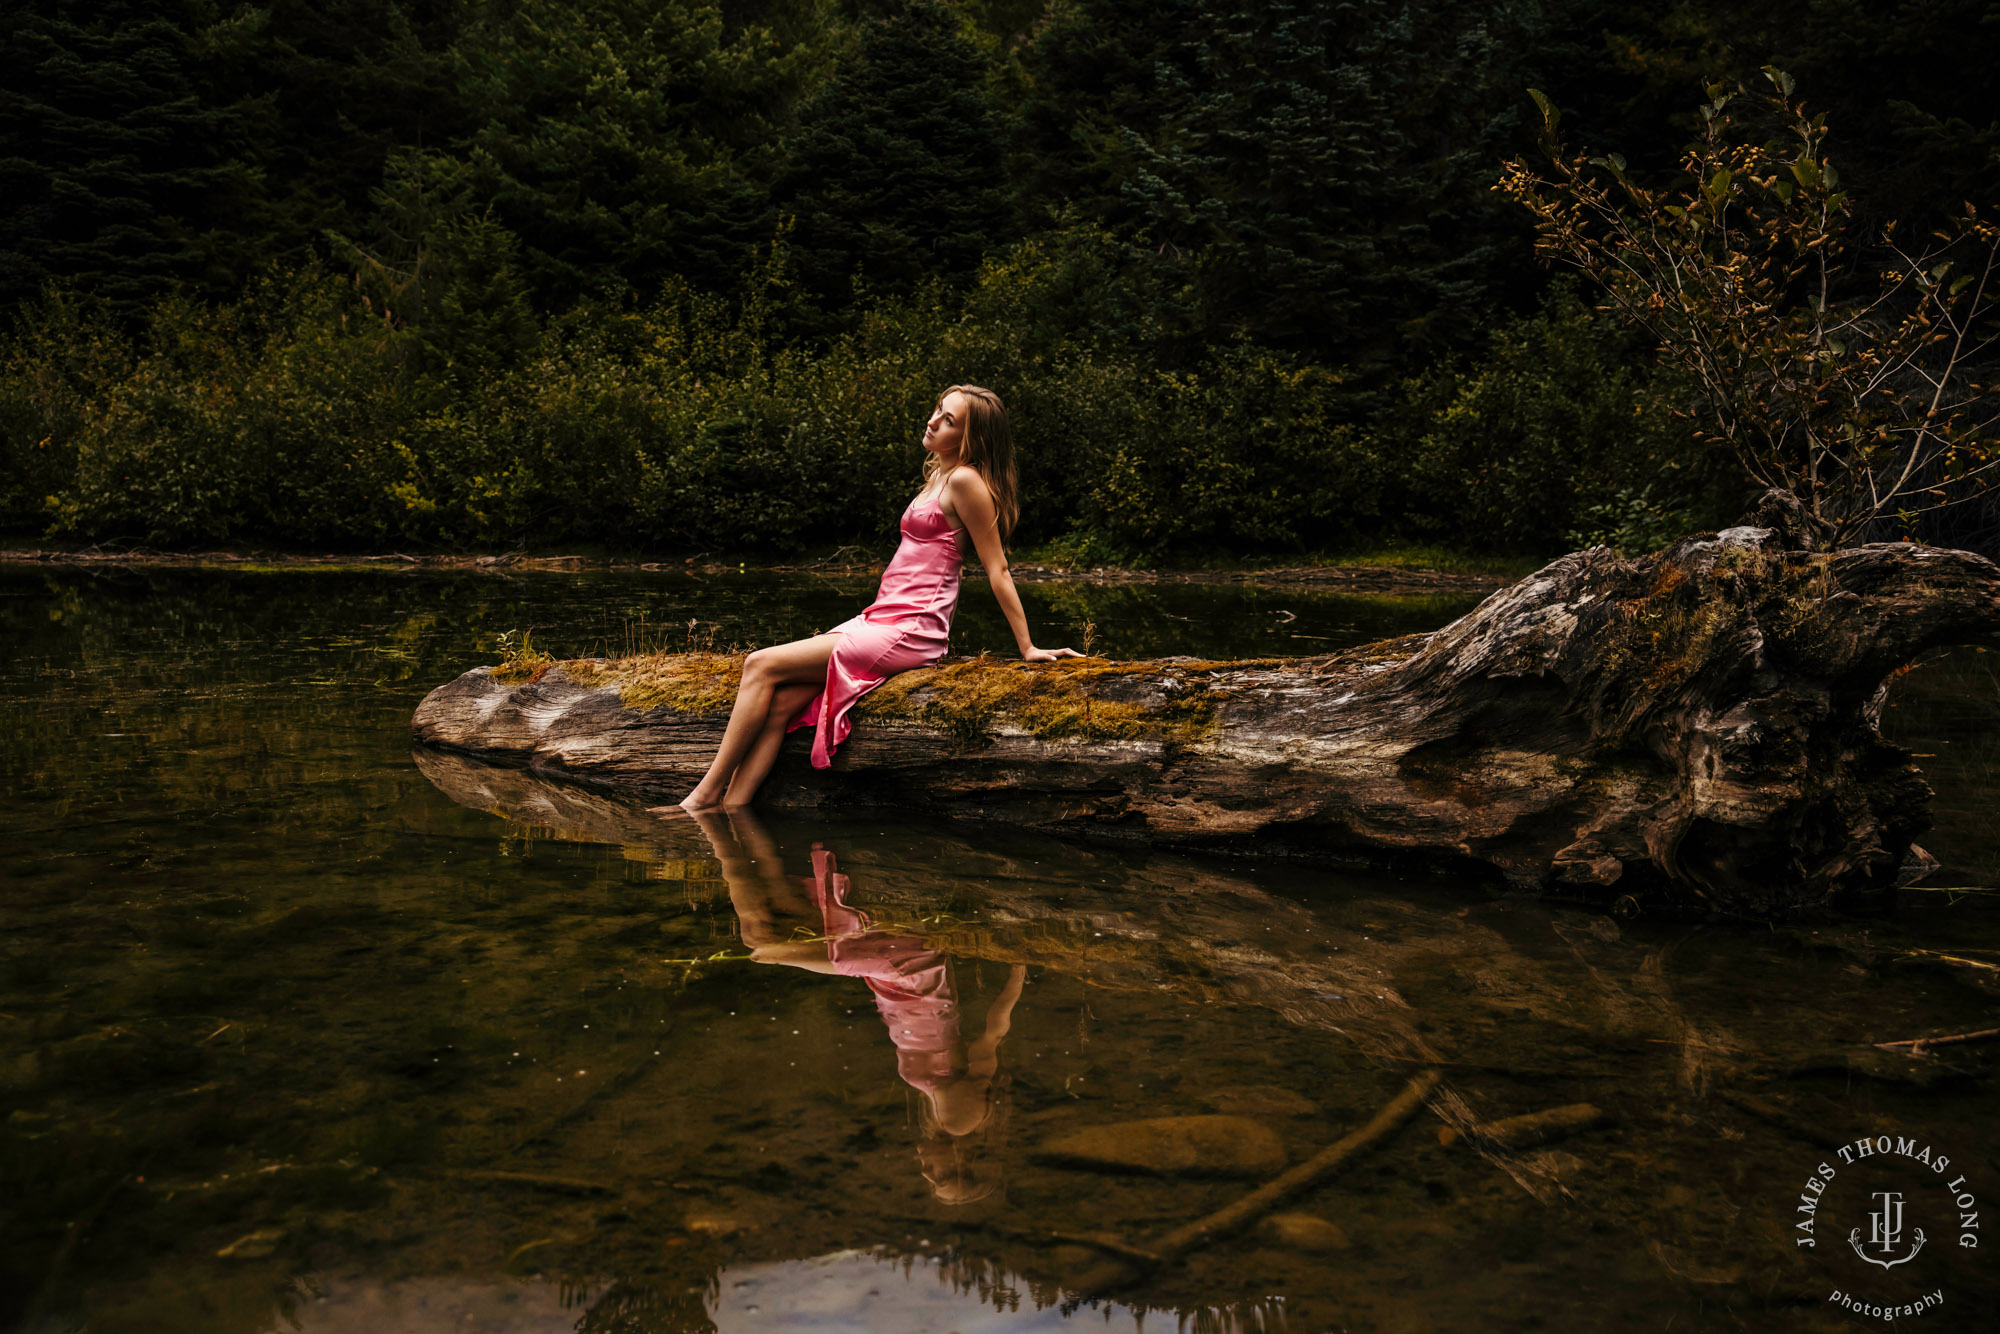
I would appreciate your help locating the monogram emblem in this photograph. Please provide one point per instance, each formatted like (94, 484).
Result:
(1885, 1231)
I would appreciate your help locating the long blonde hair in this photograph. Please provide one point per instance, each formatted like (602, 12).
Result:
(987, 449)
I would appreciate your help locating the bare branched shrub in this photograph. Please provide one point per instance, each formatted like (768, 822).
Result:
(1846, 371)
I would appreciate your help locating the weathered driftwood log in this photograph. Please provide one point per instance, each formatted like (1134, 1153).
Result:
(1696, 725)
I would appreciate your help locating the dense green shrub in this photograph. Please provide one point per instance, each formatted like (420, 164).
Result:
(1245, 453)
(306, 414)
(64, 355)
(156, 458)
(273, 416)
(1560, 430)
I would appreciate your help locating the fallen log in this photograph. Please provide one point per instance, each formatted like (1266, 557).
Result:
(1695, 727)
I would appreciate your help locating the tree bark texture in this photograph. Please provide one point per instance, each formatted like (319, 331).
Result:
(1697, 727)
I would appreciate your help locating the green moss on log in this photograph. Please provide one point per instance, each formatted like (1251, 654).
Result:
(1050, 700)
(1654, 646)
(968, 700)
(684, 682)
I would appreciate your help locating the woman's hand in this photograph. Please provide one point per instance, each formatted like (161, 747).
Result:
(1033, 654)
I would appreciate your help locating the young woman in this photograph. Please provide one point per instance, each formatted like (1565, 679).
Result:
(968, 493)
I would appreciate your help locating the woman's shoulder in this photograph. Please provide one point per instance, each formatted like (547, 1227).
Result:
(966, 483)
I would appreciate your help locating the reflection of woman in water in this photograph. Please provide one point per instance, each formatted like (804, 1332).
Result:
(960, 1114)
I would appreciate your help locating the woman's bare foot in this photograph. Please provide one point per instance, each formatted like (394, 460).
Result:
(696, 802)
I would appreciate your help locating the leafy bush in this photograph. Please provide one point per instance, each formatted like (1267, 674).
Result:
(1553, 431)
(62, 357)
(272, 416)
(1632, 522)
(307, 414)
(1247, 452)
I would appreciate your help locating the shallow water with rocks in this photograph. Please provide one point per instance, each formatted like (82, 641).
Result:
(304, 1031)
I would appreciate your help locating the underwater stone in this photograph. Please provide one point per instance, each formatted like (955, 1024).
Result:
(1259, 1100)
(710, 1224)
(1228, 1146)
(1305, 1232)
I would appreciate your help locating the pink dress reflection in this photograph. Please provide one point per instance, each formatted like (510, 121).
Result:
(960, 1110)
(911, 981)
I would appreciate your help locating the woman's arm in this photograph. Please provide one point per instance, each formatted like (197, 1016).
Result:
(982, 1056)
(966, 491)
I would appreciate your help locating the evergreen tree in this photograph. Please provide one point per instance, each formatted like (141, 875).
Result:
(483, 320)
(897, 175)
(330, 89)
(1904, 83)
(626, 140)
(1318, 173)
(111, 163)
(1103, 70)
(435, 262)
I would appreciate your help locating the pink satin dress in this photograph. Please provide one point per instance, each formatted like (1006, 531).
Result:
(907, 625)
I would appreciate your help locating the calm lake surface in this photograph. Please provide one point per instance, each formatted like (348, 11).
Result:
(305, 1032)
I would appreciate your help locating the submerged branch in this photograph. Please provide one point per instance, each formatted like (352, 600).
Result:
(1240, 1213)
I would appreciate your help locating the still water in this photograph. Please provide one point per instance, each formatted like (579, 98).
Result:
(305, 1032)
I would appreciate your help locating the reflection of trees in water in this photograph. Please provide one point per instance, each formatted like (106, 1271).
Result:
(626, 1307)
(1002, 1289)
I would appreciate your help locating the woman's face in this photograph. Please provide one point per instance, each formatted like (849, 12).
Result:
(945, 432)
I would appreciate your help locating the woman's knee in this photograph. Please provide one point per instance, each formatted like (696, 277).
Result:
(784, 665)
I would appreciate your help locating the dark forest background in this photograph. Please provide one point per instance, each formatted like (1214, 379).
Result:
(687, 275)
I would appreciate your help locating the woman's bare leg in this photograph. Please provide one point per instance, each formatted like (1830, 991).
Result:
(761, 851)
(756, 883)
(799, 662)
(770, 908)
(786, 702)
